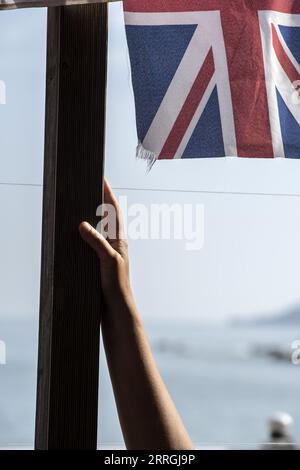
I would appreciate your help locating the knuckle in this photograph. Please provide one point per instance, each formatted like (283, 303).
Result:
(124, 245)
(115, 259)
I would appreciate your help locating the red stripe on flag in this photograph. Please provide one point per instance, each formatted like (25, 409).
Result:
(247, 81)
(283, 58)
(283, 6)
(152, 6)
(189, 108)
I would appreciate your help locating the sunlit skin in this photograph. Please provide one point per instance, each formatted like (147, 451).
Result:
(147, 414)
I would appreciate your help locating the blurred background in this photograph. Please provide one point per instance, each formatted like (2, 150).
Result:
(221, 320)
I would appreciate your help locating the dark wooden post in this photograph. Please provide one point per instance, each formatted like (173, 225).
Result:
(67, 390)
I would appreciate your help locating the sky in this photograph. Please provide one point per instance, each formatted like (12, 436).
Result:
(250, 261)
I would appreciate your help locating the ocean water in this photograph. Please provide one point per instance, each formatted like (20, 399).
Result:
(224, 380)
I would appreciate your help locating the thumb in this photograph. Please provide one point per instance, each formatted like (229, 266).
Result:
(97, 242)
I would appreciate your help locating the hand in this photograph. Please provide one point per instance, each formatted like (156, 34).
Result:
(113, 253)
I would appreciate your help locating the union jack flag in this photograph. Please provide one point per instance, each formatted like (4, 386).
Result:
(215, 78)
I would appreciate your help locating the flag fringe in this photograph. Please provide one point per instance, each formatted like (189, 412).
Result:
(146, 155)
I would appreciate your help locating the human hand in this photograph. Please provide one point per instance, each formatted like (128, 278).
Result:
(113, 253)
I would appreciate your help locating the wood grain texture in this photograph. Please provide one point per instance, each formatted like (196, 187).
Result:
(70, 305)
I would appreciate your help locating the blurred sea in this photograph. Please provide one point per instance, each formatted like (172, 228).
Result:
(225, 381)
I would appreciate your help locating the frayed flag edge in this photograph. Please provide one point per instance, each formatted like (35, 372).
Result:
(146, 155)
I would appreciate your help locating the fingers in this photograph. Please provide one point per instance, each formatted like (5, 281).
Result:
(110, 198)
(97, 242)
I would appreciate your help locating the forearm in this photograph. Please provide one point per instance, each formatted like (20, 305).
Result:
(148, 417)
(147, 414)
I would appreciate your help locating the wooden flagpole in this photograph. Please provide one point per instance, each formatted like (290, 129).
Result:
(70, 305)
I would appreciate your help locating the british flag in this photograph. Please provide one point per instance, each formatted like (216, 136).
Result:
(215, 78)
